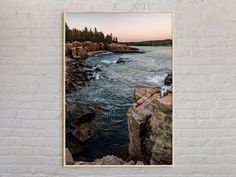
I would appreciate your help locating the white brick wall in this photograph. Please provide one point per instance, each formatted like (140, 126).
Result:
(31, 87)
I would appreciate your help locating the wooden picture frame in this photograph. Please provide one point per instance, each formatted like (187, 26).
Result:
(64, 101)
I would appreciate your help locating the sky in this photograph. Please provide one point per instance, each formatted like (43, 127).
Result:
(127, 27)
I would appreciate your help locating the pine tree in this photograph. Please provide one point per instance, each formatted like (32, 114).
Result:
(88, 35)
(69, 34)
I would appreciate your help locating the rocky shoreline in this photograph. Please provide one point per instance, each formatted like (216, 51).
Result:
(149, 118)
(82, 50)
(77, 71)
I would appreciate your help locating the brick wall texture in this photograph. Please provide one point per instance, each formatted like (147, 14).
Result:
(204, 87)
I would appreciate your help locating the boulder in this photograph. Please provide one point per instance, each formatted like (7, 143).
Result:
(139, 163)
(168, 79)
(73, 52)
(165, 103)
(85, 118)
(80, 53)
(68, 157)
(102, 46)
(143, 94)
(83, 132)
(76, 50)
(81, 128)
(130, 163)
(120, 60)
(91, 46)
(77, 44)
(106, 160)
(68, 49)
(139, 93)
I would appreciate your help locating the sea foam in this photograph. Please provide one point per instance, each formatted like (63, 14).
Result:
(108, 61)
(157, 79)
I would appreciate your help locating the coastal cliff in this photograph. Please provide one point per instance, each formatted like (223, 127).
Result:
(150, 127)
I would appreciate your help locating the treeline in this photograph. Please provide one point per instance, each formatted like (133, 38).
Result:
(166, 42)
(88, 35)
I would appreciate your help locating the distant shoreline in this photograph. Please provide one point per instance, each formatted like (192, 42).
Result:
(164, 43)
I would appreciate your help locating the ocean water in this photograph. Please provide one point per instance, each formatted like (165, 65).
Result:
(112, 89)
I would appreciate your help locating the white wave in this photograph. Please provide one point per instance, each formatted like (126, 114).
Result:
(95, 67)
(108, 61)
(164, 90)
(97, 76)
(157, 79)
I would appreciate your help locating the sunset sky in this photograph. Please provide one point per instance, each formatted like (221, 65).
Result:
(126, 27)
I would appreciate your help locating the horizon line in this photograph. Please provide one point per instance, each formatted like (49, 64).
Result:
(146, 40)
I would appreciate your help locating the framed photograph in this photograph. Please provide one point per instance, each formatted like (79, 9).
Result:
(117, 96)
